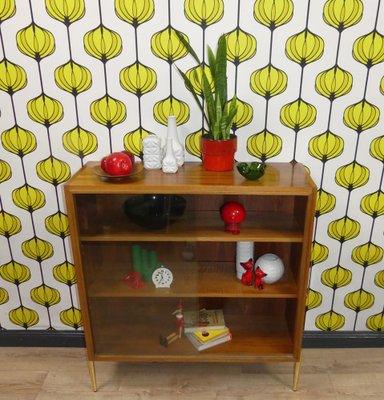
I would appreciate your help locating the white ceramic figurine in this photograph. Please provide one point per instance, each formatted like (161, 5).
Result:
(152, 152)
(169, 163)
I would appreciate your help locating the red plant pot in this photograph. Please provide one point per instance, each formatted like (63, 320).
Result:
(232, 213)
(218, 155)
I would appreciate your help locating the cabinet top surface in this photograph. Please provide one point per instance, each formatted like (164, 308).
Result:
(192, 178)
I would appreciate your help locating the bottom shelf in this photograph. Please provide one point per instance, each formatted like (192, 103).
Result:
(130, 329)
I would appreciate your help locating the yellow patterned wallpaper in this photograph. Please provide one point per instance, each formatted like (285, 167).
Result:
(82, 78)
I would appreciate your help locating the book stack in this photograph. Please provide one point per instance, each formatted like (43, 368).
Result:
(206, 328)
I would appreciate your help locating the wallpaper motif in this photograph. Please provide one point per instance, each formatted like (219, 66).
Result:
(82, 78)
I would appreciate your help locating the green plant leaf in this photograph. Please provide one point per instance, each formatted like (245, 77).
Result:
(221, 70)
(219, 120)
(218, 113)
(184, 41)
(190, 87)
(232, 109)
(209, 101)
(211, 61)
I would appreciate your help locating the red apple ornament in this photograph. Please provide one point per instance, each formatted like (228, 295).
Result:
(117, 163)
(130, 155)
(103, 164)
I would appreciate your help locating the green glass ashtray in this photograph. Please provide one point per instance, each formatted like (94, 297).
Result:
(251, 170)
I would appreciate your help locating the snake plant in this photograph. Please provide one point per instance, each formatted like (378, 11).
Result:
(213, 103)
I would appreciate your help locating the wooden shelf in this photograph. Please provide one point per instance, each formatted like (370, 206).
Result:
(191, 280)
(257, 347)
(204, 226)
(284, 179)
(122, 338)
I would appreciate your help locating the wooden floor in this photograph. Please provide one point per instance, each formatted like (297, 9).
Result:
(62, 373)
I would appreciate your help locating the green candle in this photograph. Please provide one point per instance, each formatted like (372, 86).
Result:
(136, 258)
(146, 275)
(153, 262)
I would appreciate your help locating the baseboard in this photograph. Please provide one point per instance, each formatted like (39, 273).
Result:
(345, 339)
(311, 339)
(38, 338)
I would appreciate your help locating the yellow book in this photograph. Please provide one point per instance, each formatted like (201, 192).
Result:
(212, 343)
(212, 334)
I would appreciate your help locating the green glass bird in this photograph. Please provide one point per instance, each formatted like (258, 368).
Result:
(252, 171)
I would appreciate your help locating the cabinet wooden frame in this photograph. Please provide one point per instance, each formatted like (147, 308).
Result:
(123, 324)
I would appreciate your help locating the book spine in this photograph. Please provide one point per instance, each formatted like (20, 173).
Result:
(189, 329)
(208, 345)
(214, 343)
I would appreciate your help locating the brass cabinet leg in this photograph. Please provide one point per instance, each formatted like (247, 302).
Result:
(92, 373)
(296, 373)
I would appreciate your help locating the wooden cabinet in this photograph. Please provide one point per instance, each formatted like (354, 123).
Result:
(123, 324)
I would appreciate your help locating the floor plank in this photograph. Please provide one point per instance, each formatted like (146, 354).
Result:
(62, 373)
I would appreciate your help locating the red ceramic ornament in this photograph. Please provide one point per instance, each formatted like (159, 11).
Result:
(133, 279)
(247, 277)
(259, 275)
(103, 164)
(233, 214)
(117, 163)
(130, 155)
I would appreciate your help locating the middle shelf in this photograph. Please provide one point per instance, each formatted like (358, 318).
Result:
(210, 272)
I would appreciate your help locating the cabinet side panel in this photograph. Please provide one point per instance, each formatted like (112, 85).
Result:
(306, 208)
(73, 220)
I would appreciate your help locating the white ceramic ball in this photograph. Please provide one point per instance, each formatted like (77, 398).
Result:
(272, 265)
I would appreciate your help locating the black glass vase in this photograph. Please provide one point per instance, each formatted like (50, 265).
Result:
(154, 211)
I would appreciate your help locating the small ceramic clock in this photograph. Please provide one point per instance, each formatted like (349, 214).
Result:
(162, 277)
